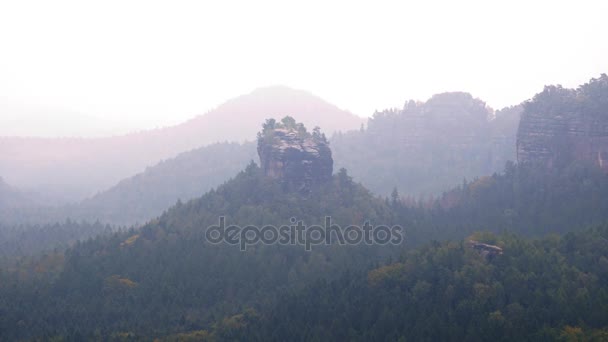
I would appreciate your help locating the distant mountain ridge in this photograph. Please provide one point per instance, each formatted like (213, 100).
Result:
(428, 147)
(147, 194)
(81, 167)
(12, 198)
(424, 149)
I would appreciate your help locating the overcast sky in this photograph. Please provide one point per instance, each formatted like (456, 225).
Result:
(99, 67)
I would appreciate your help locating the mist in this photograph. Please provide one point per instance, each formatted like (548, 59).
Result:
(315, 171)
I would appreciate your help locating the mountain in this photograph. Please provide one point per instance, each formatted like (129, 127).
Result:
(560, 125)
(9, 197)
(12, 198)
(232, 265)
(427, 147)
(167, 274)
(140, 198)
(77, 167)
(368, 153)
(147, 194)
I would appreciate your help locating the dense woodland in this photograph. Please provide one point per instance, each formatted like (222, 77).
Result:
(164, 280)
(79, 281)
(427, 147)
(538, 290)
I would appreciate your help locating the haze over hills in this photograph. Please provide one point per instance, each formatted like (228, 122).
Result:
(77, 167)
(167, 280)
(425, 148)
(149, 193)
(12, 199)
(8, 195)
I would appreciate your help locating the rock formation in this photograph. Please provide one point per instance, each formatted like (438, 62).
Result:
(485, 250)
(561, 125)
(294, 156)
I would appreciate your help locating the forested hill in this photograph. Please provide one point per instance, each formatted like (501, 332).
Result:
(75, 168)
(424, 149)
(146, 195)
(164, 279)
(428, 147)
(13, 199)
(554, 289)
(560, 125)
(522, 199)
(7, 194)
(187, 176)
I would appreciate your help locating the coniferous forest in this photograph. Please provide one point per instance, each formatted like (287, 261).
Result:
(441, 220)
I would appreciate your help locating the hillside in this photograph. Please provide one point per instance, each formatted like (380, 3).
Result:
(12, 198)
(561, 125)
(166, 272)
(147, 194)
(167, 279)
(551, 289)
(427, 147)
(76, 168)
(423, 149)
(379, 149)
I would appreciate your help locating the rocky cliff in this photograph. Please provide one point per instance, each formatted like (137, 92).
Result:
(560, 126)
(294, 156)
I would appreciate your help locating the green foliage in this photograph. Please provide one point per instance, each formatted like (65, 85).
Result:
(290, 124)
(164, 279)
(537, 290)
(24, 240)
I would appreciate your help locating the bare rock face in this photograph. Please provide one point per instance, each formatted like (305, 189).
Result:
(293, 156)
(560, 126)
(485, 250)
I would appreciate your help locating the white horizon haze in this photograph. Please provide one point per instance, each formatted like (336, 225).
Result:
(85, 68)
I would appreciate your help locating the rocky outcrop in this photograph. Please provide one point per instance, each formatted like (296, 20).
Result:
(485, 250)
(293, 156)
(560, 126)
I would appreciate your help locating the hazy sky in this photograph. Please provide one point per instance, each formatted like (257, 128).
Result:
(97, 67)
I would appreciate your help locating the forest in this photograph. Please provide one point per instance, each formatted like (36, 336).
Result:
(545, 219)
(164, 281)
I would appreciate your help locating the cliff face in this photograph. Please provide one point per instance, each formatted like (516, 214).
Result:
(560, 126)
(293, 156)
